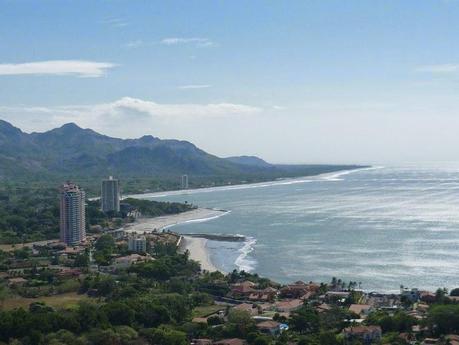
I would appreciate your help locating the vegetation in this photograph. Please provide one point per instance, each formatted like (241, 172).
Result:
(144, 164)
(29, 217)
(156, 208)
(154, 303)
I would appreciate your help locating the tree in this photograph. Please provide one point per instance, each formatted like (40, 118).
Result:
(81, 260)
(242, 322)
(444, 319)
(262, 340)
(103, 337)
(399, 322)
(63, 337)
(90, 316)
(164, 336)
(119, 313)
(105, 243)
(105, 286)
(305, 320)
(441, 296)
(328, 338)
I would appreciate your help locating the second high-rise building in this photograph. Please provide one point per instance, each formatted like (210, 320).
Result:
(110, 195)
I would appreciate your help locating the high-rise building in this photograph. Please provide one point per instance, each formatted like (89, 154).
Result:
(137, 243)
(184, 181)
(110, 196)
(72, 214)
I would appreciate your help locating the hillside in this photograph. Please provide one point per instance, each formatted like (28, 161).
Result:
(73, 152)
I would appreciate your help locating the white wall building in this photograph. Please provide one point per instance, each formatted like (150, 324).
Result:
(137, 244)
(184, 181)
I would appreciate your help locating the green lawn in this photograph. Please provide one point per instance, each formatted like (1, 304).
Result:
(206, 310)
(66, 300)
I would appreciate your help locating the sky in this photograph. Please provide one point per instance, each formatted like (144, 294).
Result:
(374, 82)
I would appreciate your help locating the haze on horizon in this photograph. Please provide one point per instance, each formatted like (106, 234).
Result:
(303, 81)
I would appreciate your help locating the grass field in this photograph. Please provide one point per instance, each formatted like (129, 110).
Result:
(66, 300)
(206, 310)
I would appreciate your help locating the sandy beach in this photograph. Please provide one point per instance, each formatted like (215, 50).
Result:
(195, 245)
(143, 225)
(198, 251)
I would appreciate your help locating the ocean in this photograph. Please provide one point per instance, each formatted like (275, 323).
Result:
(382, 227)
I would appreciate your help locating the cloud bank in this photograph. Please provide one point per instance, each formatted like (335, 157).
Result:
(79, 68)
(126, 116)
(194, 86)
(442, 68)
(198, 41)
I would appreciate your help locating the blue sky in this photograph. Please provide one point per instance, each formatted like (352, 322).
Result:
(291, 81)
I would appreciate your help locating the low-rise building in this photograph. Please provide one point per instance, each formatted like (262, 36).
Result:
(430, 341)
(269, 327)
(333, 296)
(289, 305)
(19, 281)
(232, 341)
(268, 294)
(452, 339)
(363, 310)
(427, 296)
(128, 260)
(298, 289)
(137, 243)
(367, 334)
(411, 295)
(252, 309)
(201, 342)
(324, 307)
(243, 288)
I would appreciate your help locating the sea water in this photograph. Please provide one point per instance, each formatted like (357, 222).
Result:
(383, 227)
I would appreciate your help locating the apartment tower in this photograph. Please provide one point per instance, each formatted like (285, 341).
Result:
(184, 181)
(110, 196)
(72, 214)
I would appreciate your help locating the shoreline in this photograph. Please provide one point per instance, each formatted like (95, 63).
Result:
(194, 243)
(196, 246)
(329, 176)
(148, 225)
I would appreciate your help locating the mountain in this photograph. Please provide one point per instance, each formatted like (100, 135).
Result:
(71, 151)
(249, 160)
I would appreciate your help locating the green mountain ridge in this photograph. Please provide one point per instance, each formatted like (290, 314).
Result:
(72, 151)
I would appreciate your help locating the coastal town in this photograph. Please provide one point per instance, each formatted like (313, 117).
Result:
(112, 269)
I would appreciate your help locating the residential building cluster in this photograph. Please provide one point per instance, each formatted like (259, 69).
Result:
(73, 213)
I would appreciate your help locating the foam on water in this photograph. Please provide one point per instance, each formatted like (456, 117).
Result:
(244, 262)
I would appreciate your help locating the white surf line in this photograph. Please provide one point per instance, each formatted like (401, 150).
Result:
(197, 220)
(242, 262)
(279, 182)
(334, 175)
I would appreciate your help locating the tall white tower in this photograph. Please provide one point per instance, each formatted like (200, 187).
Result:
(184, 181)
(72, 214)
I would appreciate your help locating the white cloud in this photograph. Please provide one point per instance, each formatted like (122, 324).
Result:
(125, 116)
(194, 86)
(115, 22)
(442, 68)
(79, 68)
(172, 110)
(134, 44)
(198, 41)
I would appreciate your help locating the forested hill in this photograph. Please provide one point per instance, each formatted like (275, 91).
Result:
(71, 151)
